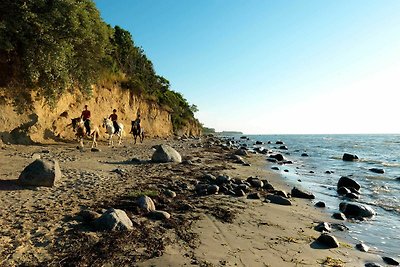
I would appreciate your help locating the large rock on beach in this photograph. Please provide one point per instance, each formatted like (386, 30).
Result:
(278, 200)
(146, 203)
(328, 240)
(349, 157)
(40, 173)
(113, 220)
(165, 153)
(301, 194)
(390, 261)
(356, 210)
(348, 183)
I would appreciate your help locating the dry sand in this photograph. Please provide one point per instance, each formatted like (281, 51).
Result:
(40, 226)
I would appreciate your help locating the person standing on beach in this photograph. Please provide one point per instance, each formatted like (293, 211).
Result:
(86, 119)
(114, 117)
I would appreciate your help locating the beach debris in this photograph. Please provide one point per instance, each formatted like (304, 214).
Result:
(278, 200)
(323, 227)
(362, 247)
(320, 204)
(390, 261)
(328, 240)
(301, 194)
(40, 173)
(159, 215)
(113, 220)
(146, 203)
(377, 170)
(356, 210)
(165, 153)
(348, 183)
(349, 157)
(339, 216)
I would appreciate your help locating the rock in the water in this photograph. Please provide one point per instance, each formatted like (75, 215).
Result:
(320, 204)
(356, 210)
(304, 155)
(165, 153)
(328, 240)
(348, 183)
(390, 261)
(339, 216)
(113, 219)
(169, 193)
(377, 170)
(274, 160)
(259, 143)
(323, 227)
(159, 215)
(362, 247)
(146, 203)
(301, 194)
(279, 142)
(279, 200)
(278, 157)
(40, 173)
(283, 147)
(343, 190)
(349, 157)
(275, 168)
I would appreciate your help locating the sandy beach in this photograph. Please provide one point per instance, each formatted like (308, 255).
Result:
(44, 225)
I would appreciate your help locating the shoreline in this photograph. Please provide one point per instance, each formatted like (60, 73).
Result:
(260, 234)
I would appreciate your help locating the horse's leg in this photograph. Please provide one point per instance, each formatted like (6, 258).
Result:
(110, 142)
(120, 138)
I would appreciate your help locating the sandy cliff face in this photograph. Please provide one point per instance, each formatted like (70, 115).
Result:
(41, 124)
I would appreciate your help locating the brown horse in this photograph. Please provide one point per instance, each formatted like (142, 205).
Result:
(78, 126)
(137, 131)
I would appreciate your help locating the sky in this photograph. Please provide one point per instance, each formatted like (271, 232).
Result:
(274, 66)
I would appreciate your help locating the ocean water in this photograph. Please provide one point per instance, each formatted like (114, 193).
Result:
(379, 191)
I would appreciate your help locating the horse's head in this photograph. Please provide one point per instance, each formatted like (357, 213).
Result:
(105, 122)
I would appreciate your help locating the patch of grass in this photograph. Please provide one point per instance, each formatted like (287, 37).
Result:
(331, 262)
(139, 193)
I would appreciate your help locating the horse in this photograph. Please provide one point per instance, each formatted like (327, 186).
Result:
(78, 125)
(137, 131)
(108, 124)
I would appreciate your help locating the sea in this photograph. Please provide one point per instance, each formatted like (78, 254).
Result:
(379, 191)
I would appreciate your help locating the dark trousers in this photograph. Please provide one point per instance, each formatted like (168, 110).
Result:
(116, 127)
(87, 126)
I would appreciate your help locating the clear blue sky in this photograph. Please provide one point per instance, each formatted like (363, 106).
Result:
(263, 66)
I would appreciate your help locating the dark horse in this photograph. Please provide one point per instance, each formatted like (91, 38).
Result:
(137, 131)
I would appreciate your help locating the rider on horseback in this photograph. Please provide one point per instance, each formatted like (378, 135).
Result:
(114, 117)
(86, 119)
(136, 124)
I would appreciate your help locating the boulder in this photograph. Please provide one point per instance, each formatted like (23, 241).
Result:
(349, 157)
(146, 203)
(301, 194)
(165, 153)
(348, 183)
(328, 240)
(40, 173)
(362, 247)
(356, 210)
(339, 216)
(320, 204)
(278, 157)
(113, 219)
(377, 170)
(159, 215)
(278, 200)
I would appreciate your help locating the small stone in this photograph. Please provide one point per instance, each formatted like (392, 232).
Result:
(304, 155)
(212, 189)
(301, 194)
(95, 149)
(339, 216)
(377, 170)
(320, 204)
(279, 200)
(159, 215)
(362, 247)
(146, 203)
(275, 168)
(113, 219)
(323, 227)
(169, 193)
